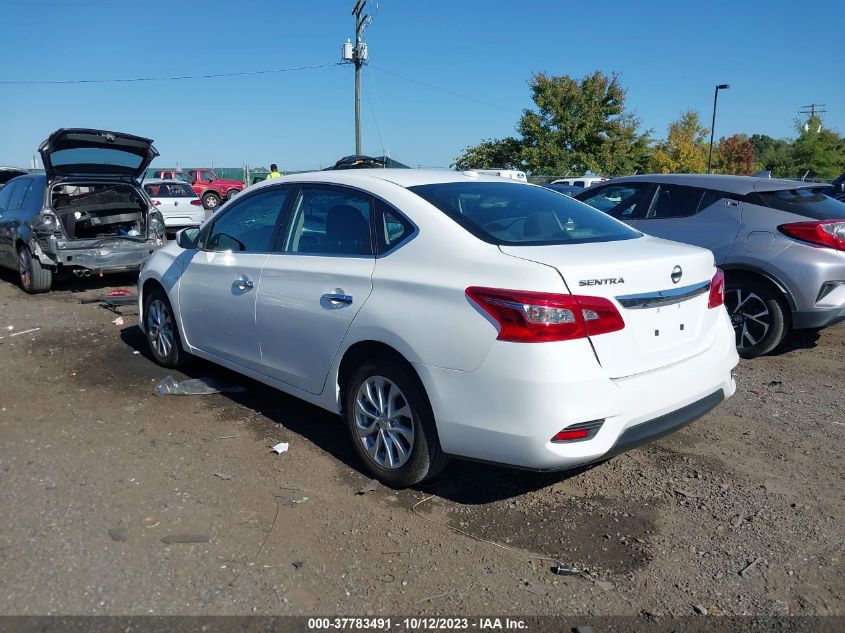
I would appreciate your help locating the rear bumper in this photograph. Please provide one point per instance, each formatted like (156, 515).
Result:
(508, 409)
(106, 257)
(818, 318)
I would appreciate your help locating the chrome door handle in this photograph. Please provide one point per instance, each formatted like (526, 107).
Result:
(337, 298)
(243, 282)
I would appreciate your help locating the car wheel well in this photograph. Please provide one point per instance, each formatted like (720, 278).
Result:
(149, 286)
(363, 350)
(733, 276)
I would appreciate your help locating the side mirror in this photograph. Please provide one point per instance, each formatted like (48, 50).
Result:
(188, 238)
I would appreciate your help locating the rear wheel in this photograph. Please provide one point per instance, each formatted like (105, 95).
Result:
(758, 315)
(391, 423)
(210, 200)
(232, 194)
(34, 277)
(162, 331)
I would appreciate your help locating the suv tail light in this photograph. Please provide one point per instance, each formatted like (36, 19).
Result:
(829, 233)
(717, 290)
(197, 202)
(539, 317)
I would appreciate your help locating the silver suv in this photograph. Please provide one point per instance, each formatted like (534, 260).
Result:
(781, 244)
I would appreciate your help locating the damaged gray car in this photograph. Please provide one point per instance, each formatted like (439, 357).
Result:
(87, 214)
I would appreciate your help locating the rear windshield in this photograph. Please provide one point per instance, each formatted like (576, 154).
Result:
(169, 190)
(515, 214)
(806, 202)
(95, 156)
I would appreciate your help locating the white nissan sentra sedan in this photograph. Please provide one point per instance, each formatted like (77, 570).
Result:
(448, 314)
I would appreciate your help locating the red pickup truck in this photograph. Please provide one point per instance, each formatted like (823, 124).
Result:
(207, 185)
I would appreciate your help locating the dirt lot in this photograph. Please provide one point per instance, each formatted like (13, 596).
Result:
(667, 529)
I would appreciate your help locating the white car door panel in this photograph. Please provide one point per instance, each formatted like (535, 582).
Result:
(312, 291)
(219, 286)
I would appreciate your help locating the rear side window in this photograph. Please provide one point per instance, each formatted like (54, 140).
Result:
(674, 201)
(18, 197)
(516, 214)
(806, 202)
(330, 221)
(619, 201)
(391, 227)
(6, 194)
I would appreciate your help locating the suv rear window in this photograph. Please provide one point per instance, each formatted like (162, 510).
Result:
(806, 202)
(520, 215)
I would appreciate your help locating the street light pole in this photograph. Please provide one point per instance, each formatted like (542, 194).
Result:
(713, 124)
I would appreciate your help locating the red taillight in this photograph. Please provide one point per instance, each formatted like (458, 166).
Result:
(156, 203)
(717, 290)
(197, 202)
(538, 317)
(829, 233)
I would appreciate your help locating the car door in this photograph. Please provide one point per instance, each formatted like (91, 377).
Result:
(7, 257)
(623, 201)
(15, 216)
(219, 286)
(701, 217)
(313, 288)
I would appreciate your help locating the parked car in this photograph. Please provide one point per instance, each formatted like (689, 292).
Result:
(587, 180)
(177, 202)
(432, 309)
(7, 173)
(259, 177)
(86, 214)
(838, 188)
(211, 189)
(357, 161)
(780, 243)
(513, 174)
(567, 190)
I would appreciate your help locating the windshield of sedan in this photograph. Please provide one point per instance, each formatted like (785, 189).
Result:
(520, 215)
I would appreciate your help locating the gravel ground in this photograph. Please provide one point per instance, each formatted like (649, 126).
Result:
(740, 513)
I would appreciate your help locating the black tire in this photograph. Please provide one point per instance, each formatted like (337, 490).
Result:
(759, 315)
(35, 278)
(162, 331)
(425, 457)
(210, 200)
(232, 194)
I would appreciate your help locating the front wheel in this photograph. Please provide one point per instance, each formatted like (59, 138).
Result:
(391, 424)
(162, 331)
(34, 277)
(758, 315)
(211, 201)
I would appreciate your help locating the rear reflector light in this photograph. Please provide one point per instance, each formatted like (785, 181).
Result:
(538, 317)
(578, 432)
(197, 202)
(717, 290)
(828, 233)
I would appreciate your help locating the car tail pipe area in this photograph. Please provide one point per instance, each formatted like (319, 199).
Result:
(82, 272)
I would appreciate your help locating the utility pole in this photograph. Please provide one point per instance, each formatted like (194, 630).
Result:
(357, 55)
(813, 109)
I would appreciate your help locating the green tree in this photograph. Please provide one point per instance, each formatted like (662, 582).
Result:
(685, 147)
(576, 125)
(491, 153)
(818, 151)
(774, 155)
(734, 155)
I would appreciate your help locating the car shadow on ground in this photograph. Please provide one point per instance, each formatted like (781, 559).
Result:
(70, 283)
(464, 482)
(797, 339)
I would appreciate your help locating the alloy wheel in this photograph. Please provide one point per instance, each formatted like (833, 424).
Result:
(160, 328)
(384, 422)
(25, 267)
(750, 317)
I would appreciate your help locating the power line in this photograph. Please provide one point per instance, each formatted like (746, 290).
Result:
(176, 78)
(444, 90)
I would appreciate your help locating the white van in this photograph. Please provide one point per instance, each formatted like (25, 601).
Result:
(513, 174)
(587, 180)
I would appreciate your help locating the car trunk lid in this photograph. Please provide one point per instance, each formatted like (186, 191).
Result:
(86, 152)
(660, 288)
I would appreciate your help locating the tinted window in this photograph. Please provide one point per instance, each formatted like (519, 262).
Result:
(251, 225)
(516, 214)
(330, 221)
(673, 201)
(392, 228)
(620, 201)
(16, 201)
(804, 202)
(169, 190)
(94, 156)
(6, 194)
(578, 183)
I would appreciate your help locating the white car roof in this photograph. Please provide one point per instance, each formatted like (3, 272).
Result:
(401, 177)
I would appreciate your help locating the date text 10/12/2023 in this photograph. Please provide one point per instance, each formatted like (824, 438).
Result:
(418, 623)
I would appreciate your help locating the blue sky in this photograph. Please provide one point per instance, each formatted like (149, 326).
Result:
(776, 55)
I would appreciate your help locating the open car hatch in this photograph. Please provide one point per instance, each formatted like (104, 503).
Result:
(84, 152)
